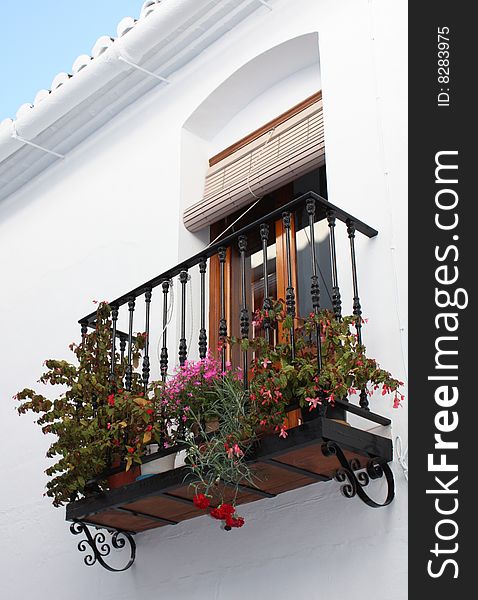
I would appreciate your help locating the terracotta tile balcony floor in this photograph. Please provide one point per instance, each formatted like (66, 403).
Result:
(281, 465)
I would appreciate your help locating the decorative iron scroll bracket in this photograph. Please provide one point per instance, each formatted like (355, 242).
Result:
(354, 477)
(98, 548)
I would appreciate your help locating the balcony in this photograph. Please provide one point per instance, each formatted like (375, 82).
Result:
(319, 444)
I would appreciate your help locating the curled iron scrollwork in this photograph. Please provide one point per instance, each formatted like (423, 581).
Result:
(348, 487)
(97, 547)
(355, 477)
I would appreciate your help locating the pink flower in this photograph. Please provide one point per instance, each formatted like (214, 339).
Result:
(237, 450)
(266, 362)
(313, 402)
(283, 432)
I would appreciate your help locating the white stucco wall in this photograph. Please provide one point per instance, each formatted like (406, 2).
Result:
(108, 217)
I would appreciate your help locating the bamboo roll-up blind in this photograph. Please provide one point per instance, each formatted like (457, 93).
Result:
(276, 157)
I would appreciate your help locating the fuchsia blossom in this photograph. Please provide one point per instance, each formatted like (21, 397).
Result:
(237, 451)
(313, 402)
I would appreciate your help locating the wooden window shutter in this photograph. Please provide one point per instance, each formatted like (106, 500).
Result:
(281, 151)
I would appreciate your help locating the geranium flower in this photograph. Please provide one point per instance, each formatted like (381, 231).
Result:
(111, 399)
(201, 501)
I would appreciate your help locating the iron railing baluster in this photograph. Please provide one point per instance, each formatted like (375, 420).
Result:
(163, 362)
(84, 330)
(123, 340)
(129, 368)
(146, 362)
(244, 318)
(314, 286)
(336, 299)
(183, 349)
(114, 321)
(222, 252)
(202, 330)
(264, 232)
(289, 292)
(357, 308)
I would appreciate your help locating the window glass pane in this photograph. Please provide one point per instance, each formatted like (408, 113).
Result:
(304, 266)
(257, 280)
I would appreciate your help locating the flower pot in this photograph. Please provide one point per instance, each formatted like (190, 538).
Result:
(180, 459)
(158, 465)
(123, 477)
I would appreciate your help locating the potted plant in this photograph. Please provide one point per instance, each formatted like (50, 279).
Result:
(217, 459)
(94, 421)
(280, 377)
(191, 390)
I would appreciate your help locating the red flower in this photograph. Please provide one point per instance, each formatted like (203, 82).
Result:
(150, 411)
(130, 450)
(223, 512)
(234, 522)
(149, 428)
(201, 501)
(227, 509)
(111, 399)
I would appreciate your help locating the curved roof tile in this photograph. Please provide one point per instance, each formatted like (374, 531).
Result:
(101, 45)
(125, 25)
(24, 109)
(41, 95)
(80, 63)
(59, 79)
(147, 8)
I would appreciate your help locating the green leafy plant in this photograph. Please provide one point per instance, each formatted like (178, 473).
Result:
(217, 460)
(92, 420)
(278, 379)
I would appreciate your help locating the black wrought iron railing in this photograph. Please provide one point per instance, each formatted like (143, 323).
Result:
(253, 237)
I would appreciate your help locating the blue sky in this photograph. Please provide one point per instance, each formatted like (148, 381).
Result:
(40, 38)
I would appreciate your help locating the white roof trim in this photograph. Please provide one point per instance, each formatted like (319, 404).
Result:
(167, 36)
